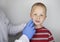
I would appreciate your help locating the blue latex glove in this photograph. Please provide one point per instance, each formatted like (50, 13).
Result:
(29, 29)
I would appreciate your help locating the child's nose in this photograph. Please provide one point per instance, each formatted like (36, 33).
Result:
(38, 17)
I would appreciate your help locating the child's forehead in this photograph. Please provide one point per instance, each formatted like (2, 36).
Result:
(38, 8)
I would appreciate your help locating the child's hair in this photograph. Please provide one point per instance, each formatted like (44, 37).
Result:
(39, 4)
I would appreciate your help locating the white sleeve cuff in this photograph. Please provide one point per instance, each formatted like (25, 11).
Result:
(23, 38)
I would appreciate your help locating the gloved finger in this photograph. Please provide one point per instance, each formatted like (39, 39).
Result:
(34, 31)
(29, 23)
(33, 28)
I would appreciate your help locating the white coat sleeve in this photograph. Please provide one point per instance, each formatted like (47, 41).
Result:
(14, 29)
(23, 38)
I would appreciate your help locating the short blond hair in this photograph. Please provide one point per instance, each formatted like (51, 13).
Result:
(39, 4)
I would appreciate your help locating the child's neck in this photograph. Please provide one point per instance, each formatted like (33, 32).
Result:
(38, 26)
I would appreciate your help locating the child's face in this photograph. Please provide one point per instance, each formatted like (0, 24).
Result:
(38, 15)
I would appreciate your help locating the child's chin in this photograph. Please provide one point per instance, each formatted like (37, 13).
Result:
(37, 24)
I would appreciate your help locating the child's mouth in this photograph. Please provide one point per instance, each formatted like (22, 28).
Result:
(37, 21)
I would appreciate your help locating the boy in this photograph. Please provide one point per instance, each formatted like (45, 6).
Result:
(38, 15)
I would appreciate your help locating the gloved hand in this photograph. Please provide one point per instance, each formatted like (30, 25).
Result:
(29, 29)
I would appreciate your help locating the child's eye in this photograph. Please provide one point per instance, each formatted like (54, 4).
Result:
(41, 15)
(35, 14)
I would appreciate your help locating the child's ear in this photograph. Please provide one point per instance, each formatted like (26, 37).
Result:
(30, 15)
(45, 17)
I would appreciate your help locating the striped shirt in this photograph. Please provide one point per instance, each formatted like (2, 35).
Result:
(42, 35)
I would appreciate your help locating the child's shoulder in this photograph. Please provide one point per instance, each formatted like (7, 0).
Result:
(47, 30)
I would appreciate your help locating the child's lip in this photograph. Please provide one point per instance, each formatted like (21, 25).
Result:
(37, 21)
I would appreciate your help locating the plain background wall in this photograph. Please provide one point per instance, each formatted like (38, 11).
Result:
(18, 12)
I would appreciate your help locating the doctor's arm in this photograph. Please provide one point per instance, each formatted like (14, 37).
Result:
(14, 29)
(27, 33)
